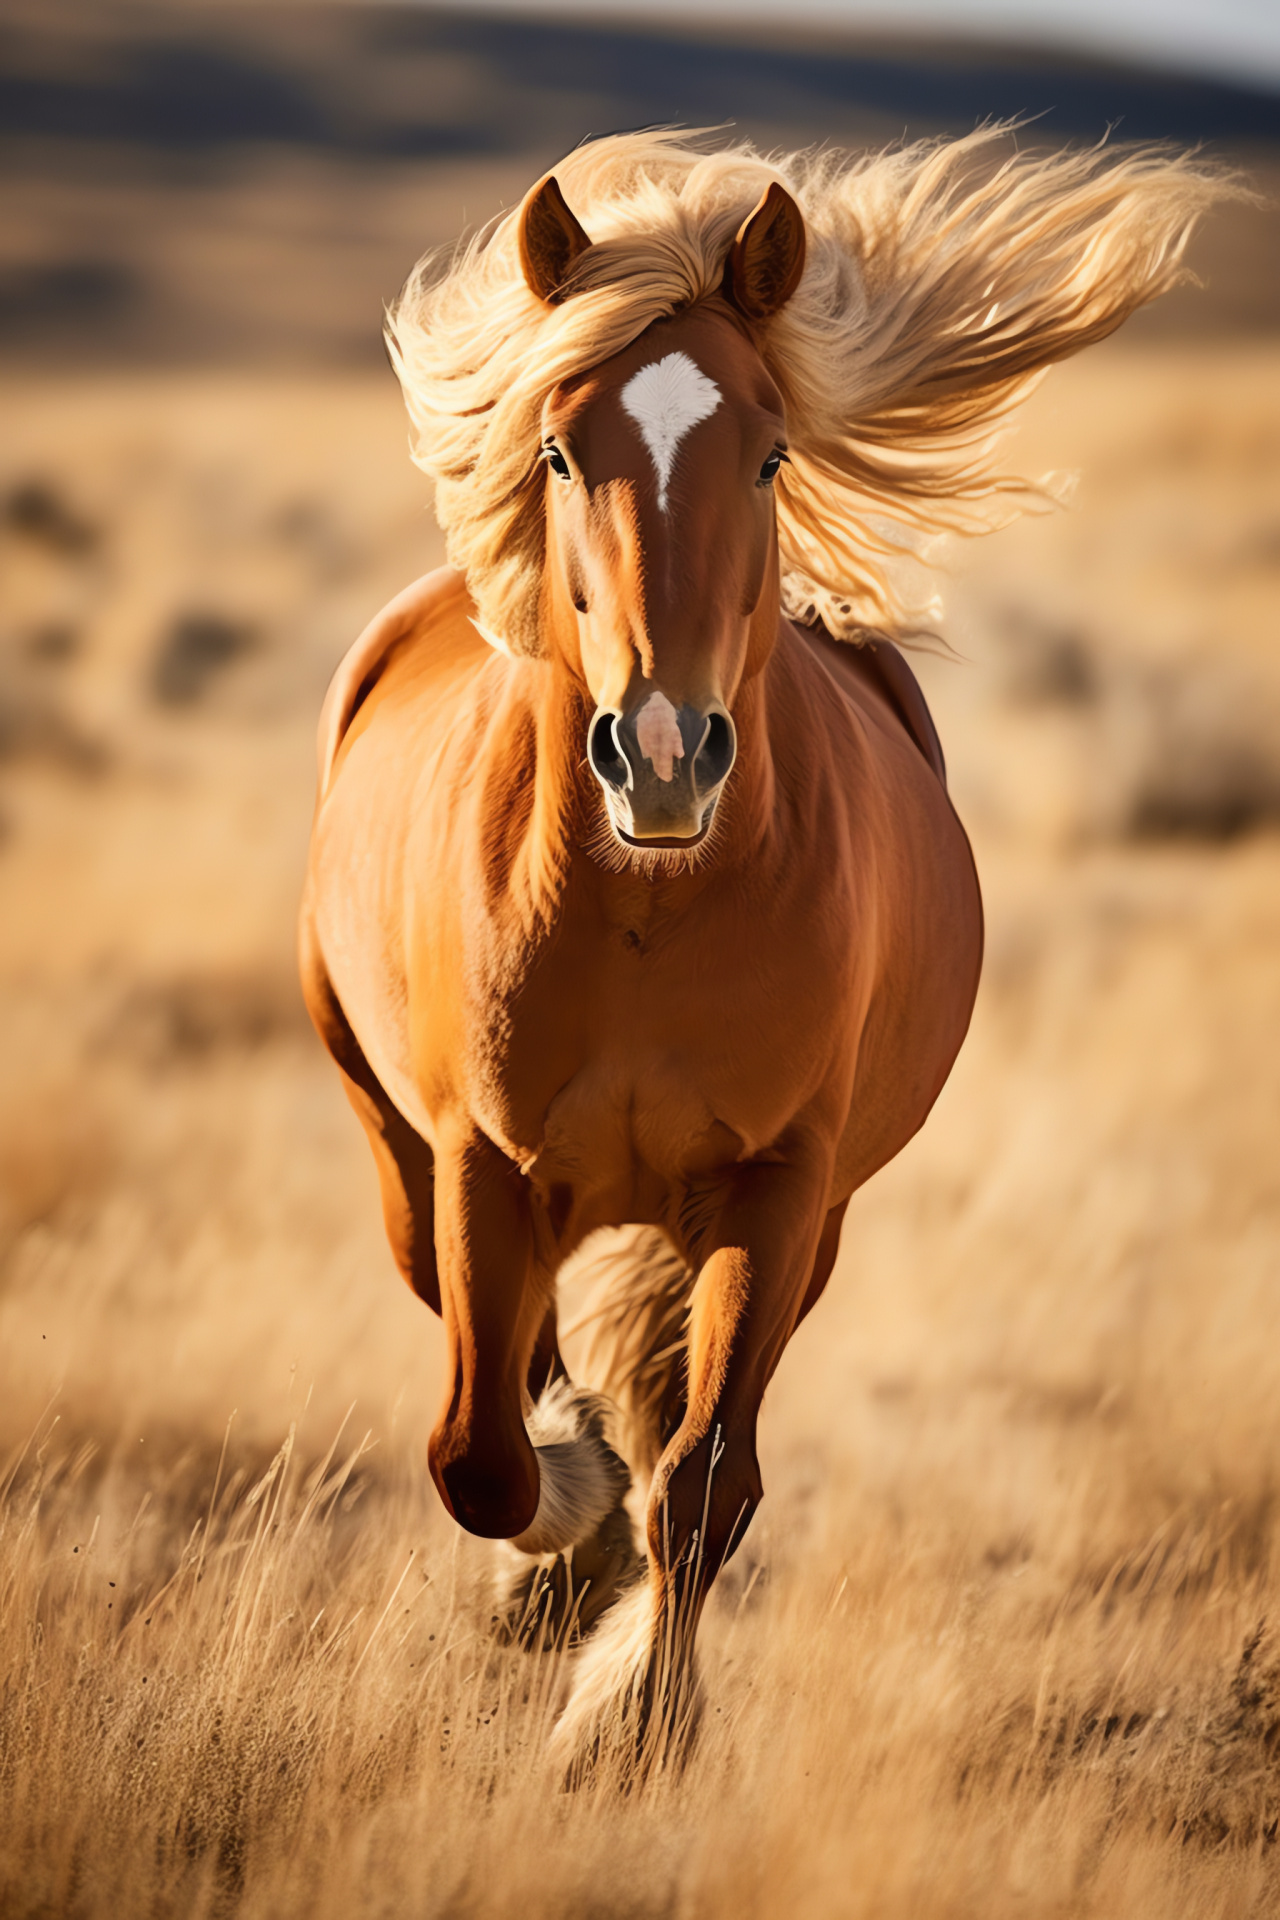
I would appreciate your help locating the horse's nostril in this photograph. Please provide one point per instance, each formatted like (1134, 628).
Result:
(602, 751)
(716, 754)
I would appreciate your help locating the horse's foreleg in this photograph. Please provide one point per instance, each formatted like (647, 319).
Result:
(517, 1453)
(481, 1457)
(634, 1686)
(758, 1265)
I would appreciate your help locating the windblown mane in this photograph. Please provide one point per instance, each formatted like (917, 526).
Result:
(941, 280)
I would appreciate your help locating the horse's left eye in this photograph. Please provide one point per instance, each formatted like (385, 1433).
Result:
(557, 463)
(770, 467)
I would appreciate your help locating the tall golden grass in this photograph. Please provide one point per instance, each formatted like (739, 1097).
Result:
(1005, 1637)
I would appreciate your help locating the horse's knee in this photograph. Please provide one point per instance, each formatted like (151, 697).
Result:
(488, 1480)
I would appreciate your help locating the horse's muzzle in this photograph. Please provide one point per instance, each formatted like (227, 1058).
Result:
(662, 768)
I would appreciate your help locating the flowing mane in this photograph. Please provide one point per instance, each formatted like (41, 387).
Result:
(941, 280)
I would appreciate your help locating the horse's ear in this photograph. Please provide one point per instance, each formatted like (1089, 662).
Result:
(551, 238)
(767, 257)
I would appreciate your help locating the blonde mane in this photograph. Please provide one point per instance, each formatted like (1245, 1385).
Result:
(941, 280)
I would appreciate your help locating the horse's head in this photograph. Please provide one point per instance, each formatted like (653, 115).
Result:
(662, 576)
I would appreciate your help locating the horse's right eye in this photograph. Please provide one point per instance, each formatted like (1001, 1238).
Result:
(557, 463)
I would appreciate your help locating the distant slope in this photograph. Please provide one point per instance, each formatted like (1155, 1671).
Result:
(384, 80)
(214, 182)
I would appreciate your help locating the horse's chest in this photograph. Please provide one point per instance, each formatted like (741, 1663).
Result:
(623, 1068)
(621, 1121)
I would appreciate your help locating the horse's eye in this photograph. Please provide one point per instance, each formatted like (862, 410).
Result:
(770, 467)
(557, 463)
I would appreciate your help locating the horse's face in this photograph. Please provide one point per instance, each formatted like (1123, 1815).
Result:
(662, 567)
(662, 558)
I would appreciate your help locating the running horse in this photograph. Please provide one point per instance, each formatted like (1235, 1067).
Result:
(636, 899)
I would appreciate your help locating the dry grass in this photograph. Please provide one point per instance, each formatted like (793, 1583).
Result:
(997, 1644)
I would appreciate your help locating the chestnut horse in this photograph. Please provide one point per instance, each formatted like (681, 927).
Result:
(635, 903)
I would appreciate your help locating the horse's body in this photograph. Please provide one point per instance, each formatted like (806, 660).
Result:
(664, 920)
(665, 1031)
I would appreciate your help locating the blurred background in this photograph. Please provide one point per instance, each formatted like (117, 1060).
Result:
(1050, 1340)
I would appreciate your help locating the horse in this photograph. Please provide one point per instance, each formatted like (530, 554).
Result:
(639, 921)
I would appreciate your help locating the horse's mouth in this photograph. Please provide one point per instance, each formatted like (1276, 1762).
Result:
(666, 842)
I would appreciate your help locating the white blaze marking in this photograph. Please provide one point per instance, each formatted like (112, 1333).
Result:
(665, 399)
(658, 732)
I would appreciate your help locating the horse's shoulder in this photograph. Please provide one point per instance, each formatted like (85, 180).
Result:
(877, 670)
(432, 607)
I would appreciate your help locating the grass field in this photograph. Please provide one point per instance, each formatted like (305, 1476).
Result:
(1005, 1637)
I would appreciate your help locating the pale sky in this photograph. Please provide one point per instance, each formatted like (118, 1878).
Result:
(1231, 39)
